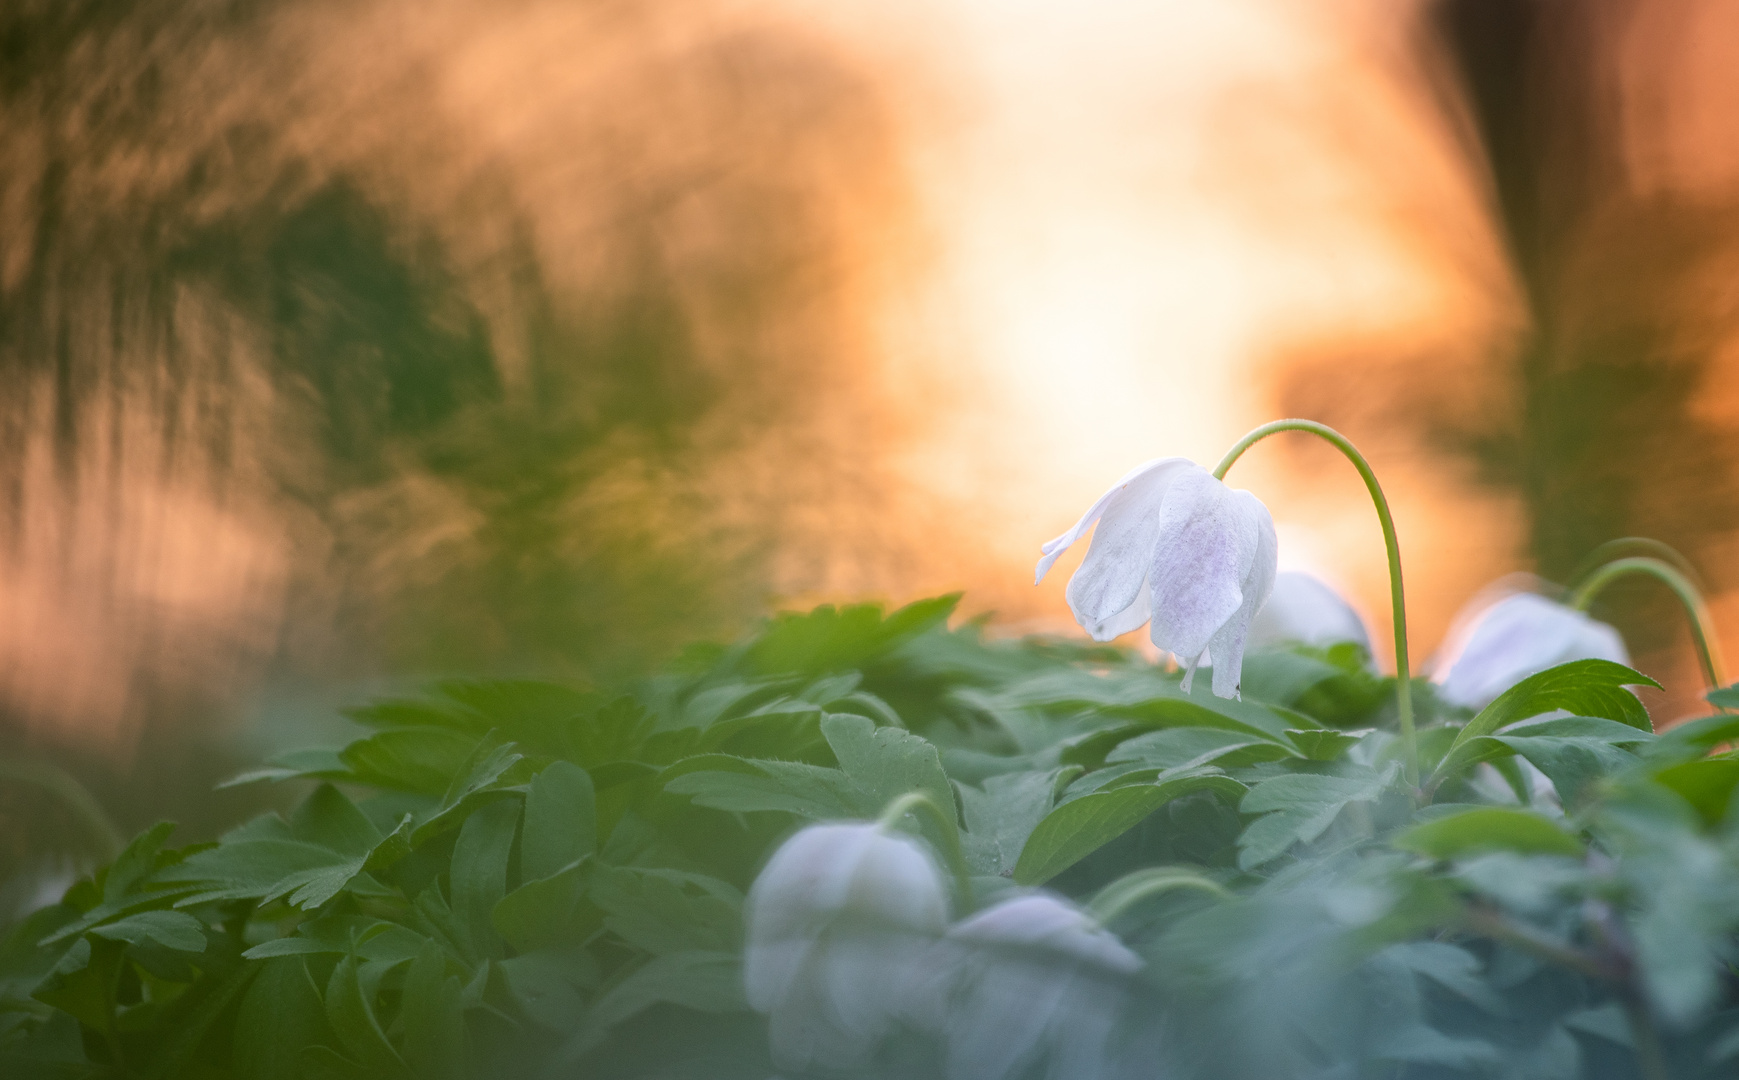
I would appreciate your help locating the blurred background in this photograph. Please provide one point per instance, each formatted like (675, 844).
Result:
(346, 344)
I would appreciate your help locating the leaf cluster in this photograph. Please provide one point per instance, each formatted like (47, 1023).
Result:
(530, 879)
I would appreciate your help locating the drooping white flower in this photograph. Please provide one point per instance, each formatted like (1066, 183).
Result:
(837, 922)
(1500, 644)
(1307, 610)
(1026, 980)
(1180, 550)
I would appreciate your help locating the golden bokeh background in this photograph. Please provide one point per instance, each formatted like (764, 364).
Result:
(345, 344)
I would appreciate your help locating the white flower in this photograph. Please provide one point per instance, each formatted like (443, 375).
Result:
(1176, 546)
(1515, 637)
(1026, 980)
(1305, 609)
(837, 923)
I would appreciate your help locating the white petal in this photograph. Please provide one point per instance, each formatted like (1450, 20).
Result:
(1305, 609)
(1131, 617)
(1205, 544)
(1227, 644)
(1144, 477)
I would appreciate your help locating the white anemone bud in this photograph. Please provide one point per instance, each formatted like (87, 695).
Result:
(1517, 636)
(1303, 609)
(837, 923)
(1023, 981)
(1180, 550)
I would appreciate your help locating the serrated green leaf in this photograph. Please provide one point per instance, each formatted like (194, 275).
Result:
(424, 760)
(1489, 828)
(1003, 814)
(1076, 829)
(1299, 807)
(171, 929)
(1593, 688)
(886, 763)
(1322, 744)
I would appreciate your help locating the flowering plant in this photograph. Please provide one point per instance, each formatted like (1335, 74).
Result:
(871, 845)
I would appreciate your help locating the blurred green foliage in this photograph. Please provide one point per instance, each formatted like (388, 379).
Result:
(529, 878)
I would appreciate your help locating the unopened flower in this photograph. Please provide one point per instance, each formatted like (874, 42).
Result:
(1179, 549)
(1305, 610)
(837, 923)
(1028, 980)
(1518, 636)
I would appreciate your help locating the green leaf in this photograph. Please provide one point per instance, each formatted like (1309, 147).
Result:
(135, 863)
(547, 913)
(829, 639)
(561, 821)
(1004, 813)
(1572, 764)
(479, 874)
(1585, 687)
(1489, 828)
(171, 929)
(668, 911)
(1707, 785)
(329, 819)
(809, 791)
(551, 986)
(703, 981)
(423, 759)
(1727, 697)
(1171, 748)
(281, 1013)
(368, 938)
(1076, 829)
(350, 1012)
(887, 762)
(1299, 807)
(432, 1017)
(317, 762)
(1323, 744)
(306, 874)
(85, 982)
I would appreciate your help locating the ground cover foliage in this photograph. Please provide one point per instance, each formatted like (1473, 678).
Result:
(529, 879)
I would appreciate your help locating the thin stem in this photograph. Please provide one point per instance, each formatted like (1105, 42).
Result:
(75, 797)
(913, 801)
(1702, 626)
(1397, 596)
(1123, 894)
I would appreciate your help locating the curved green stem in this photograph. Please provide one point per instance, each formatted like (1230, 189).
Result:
(913, 801)
(74, 796)
(1702, 626)
(1625, 547)
(1397, 596)
(1124, 893)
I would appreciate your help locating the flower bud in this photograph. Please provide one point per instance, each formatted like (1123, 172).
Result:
(837, 924)
(1026, 980)
(1515, 637)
